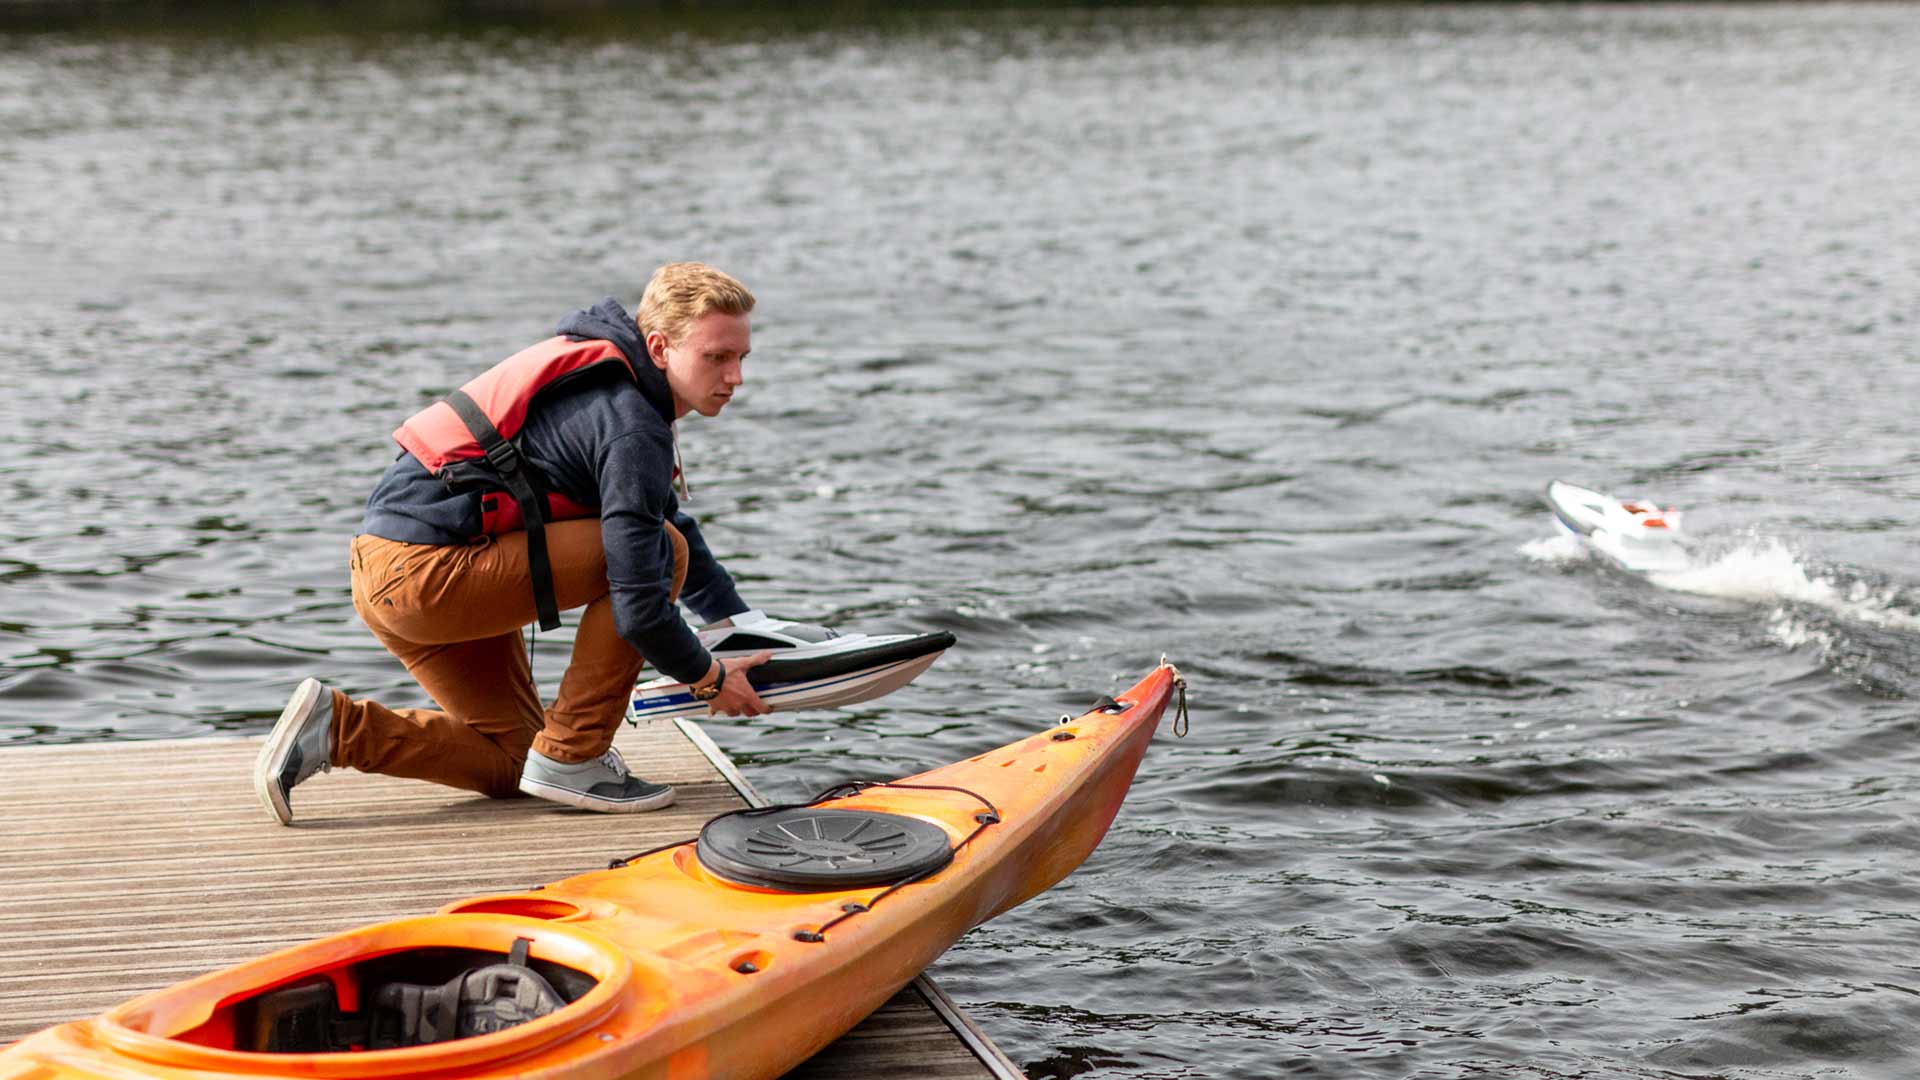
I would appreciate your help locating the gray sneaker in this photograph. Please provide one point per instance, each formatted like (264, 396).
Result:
(601, 784)
(299, 746)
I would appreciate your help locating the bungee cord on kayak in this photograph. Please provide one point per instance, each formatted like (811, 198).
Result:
(750, 870)
(839, 790)
(986, 819)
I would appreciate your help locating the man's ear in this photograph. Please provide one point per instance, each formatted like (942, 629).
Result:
(657, 349)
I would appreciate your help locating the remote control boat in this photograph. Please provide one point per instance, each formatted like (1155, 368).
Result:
(1633, 534)
(812, 667)
(738, 954)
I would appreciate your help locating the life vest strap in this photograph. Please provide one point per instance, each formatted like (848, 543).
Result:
(506, 459)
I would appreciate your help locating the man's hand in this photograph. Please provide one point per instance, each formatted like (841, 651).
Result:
(737, 695)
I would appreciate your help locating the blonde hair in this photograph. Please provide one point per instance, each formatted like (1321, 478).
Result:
(682, 292)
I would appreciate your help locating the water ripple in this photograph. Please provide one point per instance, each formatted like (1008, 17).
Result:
(1244, 335)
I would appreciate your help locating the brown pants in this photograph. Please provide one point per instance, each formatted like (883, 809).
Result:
(453, 615)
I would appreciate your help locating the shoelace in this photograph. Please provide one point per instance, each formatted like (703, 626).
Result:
(612, 760)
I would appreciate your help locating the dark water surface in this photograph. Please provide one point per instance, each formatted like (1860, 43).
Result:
(1245, 336)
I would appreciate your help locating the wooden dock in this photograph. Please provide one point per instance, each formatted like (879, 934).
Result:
(125, 867)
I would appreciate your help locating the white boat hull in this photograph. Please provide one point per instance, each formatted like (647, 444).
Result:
(809, 667)
(1633, 534)
(666, 699)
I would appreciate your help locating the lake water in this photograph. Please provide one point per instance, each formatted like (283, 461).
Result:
(1245, 335)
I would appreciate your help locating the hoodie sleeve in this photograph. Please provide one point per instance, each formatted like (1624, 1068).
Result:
(634, 505)
(709, 590)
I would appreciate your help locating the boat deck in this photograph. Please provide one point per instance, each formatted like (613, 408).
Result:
(125, 867)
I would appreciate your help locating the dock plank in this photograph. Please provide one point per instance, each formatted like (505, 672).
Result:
(125, 867)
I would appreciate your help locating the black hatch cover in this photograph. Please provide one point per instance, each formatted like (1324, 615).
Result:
(808, 849)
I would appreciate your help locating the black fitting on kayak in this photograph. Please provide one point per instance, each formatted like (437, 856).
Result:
(1063, 736)
(985, 817)
(810, 936)
(853, 907)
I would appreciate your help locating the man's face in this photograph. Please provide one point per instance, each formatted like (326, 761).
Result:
(703, 369)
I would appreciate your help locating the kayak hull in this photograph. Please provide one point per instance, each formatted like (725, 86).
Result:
(687, 975)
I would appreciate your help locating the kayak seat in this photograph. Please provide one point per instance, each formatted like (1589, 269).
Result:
(478, 1002)
(809, 849)
(477, 999)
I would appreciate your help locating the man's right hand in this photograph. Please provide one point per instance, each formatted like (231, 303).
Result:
(737, 696)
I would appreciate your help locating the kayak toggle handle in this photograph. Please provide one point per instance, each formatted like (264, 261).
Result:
(1181, 721)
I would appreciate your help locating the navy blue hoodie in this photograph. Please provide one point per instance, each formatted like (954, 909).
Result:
(600, 440)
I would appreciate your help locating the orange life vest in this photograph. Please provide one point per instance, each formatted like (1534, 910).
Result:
(467, 440)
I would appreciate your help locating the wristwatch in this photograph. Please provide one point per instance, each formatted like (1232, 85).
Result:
(708, 693)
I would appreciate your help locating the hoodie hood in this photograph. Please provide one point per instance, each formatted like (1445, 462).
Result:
(608, 321)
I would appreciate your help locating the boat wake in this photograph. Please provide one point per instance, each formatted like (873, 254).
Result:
(1561, 547)
(1766, 570)
(1832, 609)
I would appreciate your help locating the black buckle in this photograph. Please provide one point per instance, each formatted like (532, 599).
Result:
(505, 457)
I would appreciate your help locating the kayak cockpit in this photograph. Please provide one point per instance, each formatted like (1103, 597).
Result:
(436, 992)
(415, 997)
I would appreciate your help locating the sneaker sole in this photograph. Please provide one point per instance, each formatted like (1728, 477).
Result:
(273, 756)
(584, 801)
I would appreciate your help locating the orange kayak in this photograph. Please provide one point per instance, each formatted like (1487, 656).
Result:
(739, 955)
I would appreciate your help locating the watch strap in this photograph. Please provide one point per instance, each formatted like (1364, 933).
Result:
(708, 693)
